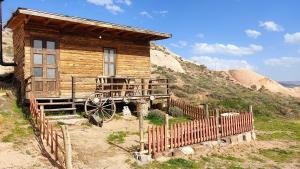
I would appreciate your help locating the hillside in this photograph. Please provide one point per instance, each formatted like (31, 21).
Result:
(256, 81)
(199, 85)
(7, 51)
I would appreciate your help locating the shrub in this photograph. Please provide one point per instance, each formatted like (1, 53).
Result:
(156, 117)
(175, 111)
(117, 137)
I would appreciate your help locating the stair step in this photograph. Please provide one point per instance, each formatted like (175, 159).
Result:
(59, 117)
(55, 103)
(59, 109)
(54, 98)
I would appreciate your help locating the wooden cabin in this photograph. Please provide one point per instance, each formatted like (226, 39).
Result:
(50, 49)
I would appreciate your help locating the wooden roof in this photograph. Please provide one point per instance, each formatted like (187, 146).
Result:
(25, 15)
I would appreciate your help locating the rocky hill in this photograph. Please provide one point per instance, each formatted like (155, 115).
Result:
(199, 85)
(7, 51)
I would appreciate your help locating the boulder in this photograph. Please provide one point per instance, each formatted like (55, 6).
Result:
(187, 150)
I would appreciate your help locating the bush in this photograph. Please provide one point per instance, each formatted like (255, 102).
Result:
(156, 117)
(175, 111)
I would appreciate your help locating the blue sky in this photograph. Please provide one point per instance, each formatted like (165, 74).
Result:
(262, 35)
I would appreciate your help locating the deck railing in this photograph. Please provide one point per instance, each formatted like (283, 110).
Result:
(119, 87)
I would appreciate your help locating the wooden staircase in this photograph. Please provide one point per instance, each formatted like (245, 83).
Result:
(56, 105)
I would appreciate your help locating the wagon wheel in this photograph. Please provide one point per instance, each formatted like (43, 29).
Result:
(101, 106)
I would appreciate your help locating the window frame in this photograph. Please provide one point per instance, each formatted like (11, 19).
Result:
(109, 62)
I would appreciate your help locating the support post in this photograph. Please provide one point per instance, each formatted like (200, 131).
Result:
(218, 125)
(51, 138)
(206, 111)
(141, 129)
(68, 148)
(142, 109)
(73, 92)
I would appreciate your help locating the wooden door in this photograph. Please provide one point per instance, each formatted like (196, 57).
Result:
(44, 68)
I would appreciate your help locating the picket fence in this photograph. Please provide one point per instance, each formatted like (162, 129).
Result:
(188, 110)
(48, 133)
(162, 138)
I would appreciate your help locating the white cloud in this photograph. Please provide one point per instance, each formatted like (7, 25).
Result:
(111, 4)
(180, 44)
(146, 14)
(292, 38)
(162, 12)
(282, 61)
(215, 63)
(225, 49)
(127, 2)
(271, 26)
(200, 35)
(252, 33)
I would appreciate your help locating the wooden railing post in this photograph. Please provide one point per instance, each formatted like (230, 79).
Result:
(206, 111)
(143, 86)
(218, 125)
(250, 109)
(168, 91)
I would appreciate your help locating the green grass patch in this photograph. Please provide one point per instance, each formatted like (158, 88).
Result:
(180, 119)
(117, 137)
(278, 128)
(278, 155)
(230, 158)
(256, 158)
(177, 163)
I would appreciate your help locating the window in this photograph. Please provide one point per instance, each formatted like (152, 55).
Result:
(38, 72)
(50, 59)
(51, 72)
(37, 59)
(109, 62)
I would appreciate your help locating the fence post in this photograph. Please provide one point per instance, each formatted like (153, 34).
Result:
(52, 144)
(142, 109)
(167, 136)
(56, 146)
(206, 111)
(250, 109)
(68, 148)
(218, 125)
(41, 118)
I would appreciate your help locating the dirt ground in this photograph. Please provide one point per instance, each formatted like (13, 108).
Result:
(92, 150)
(18, 145)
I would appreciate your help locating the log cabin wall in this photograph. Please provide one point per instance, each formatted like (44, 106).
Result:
(82, 55)
(19, 57)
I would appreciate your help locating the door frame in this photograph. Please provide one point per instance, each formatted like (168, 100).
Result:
(44, 40)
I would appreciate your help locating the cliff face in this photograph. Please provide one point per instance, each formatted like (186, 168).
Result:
(8, 52)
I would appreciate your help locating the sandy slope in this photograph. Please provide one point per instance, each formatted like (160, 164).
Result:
(250, 78)
(161, 56)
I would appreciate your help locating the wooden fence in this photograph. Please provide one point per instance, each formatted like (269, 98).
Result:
(191, 111)
(161, 138)
(48, 134)
(236, 124)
